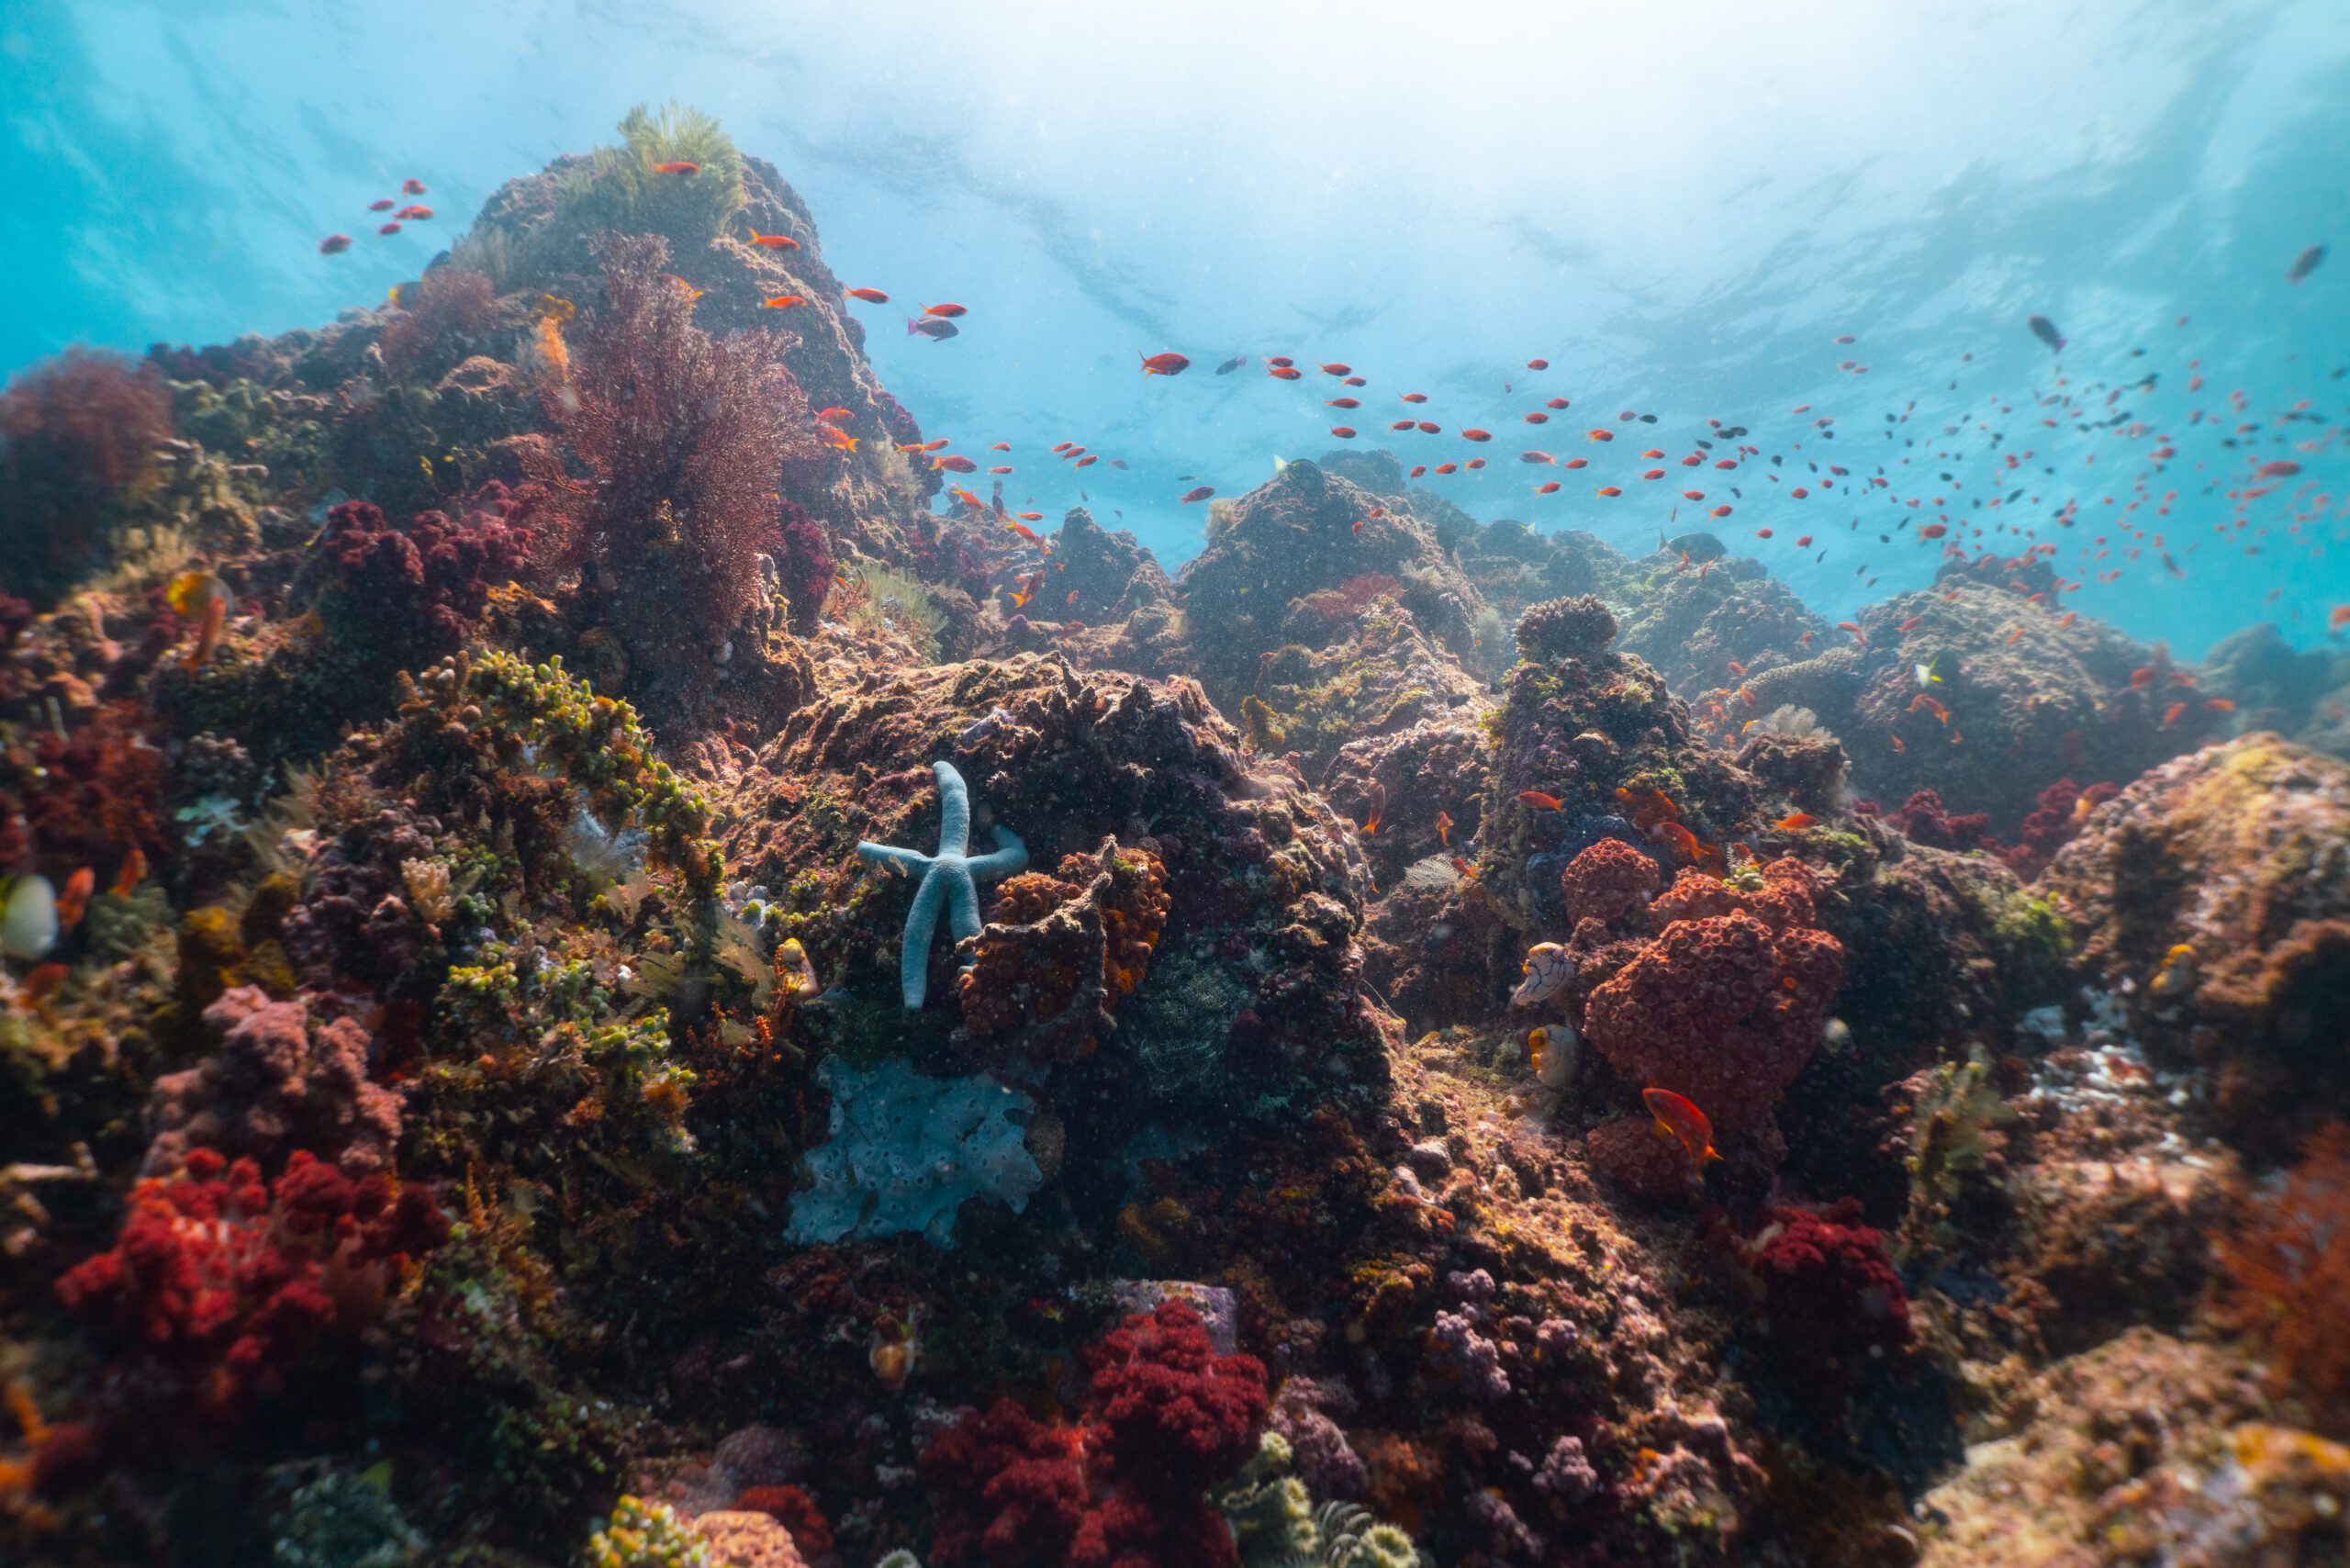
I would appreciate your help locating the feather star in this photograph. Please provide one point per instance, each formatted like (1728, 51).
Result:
(949, 880)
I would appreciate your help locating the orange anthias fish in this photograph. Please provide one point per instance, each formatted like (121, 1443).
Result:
(204, 599)
(950, 310)
(1025, 532)
(784, 302)
(133, 873)
(774, 241)
(678, 166)
(1164, 364)
(1443, 828)
(833, 413)
(1677, 1119)
(1794, 822)
(1027, 586)
(954, 465)
(1376, 809)
(838, 439)
(870, 296)
(75, 898)
(1540, 802)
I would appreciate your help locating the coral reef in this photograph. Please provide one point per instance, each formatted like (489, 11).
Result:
(1469, 1046)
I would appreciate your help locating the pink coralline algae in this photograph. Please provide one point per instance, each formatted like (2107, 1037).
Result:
(1830, 1297)
(1725, 1005)
(280, 1082)
(1169, 1418)
(229, 1282)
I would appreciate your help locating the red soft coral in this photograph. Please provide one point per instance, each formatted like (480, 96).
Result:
(1169, 1419)
(1830, 1298)
(1007, 1490)
(229, 1282)
(1924, 821)
(1175, 1415)
(412, 595)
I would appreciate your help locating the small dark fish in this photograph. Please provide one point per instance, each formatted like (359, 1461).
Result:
(933, 327)
(2305, 264)
(2045, 331)
(1235, 362)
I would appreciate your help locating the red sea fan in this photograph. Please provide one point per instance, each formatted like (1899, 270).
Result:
(2291, 1265)
(75, 432)
(679, 440)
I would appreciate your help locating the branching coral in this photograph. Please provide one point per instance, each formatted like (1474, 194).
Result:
(680, 440)
(75, 434)
(2291, 1263)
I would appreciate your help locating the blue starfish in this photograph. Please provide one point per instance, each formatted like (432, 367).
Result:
(948, 878)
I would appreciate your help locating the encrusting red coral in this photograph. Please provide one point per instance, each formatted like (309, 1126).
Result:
(1608, 881)
(1725, 1005)
(1924, 821)
(280, 1082)
(229, 1282)
(796, 1511)
(1169, 1418)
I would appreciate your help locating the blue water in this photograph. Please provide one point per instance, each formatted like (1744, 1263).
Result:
(1680, 216)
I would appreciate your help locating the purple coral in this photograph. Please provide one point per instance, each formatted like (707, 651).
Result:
(1475, 1359)
(1324, 1459)
(1567, 1474)
(280, 1082)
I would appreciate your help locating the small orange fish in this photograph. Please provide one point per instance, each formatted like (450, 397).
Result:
(949, 310)
(832, 413)
(1794, 822)
(1540, 802)
(1031, 517)
(1025, 532)
(838, 439)
(75, 898)
(1378, 809)
(1443, 828)
(1027, 587)
(2338, 617)
(678, 166)
(42, 982)
(1072, 597)
(783, 302)
(1897, 745)
(870, 296)
(1468, 871)
(774, 241)
(2171, 715)
(953, 464)
(1678, 1119)
(1911, 624)
(1681, 838)
(2219, 705)
(133, 873)
(1931, 705)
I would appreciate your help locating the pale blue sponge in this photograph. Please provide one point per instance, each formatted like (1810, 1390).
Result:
(905, 1150)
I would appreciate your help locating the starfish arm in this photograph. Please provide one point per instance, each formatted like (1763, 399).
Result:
(962, 903)
(912, 862)
(1010, 856)
(922, 923)
(954, 809)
